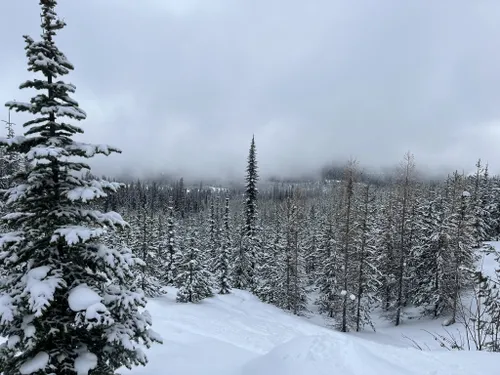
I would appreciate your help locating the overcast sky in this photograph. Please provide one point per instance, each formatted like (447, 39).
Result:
(181, 85)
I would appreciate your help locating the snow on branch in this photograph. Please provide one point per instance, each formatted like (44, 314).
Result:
(85, 361)
(89, 150)
(111, 218)
(81, 297)
(61, 110)
(94, 189)
(85, 193)
(15, 141)
(11, 238)
(119, 261)
(87, 303)
(17, 192)
(40, 287)
(35, 364)
(76, 234)
(7, 309)
(46, 152)
(19, 106)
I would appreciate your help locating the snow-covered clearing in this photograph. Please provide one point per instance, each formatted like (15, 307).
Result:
(236, 334)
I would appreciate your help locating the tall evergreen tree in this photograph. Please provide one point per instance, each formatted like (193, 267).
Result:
(479, 205)
(10, 161)
(366, 259)
(462, 242)
(312, 244)
(247, 257)
(222, 265)
(144, 244)
(290, 277)
(171, 248)
(348, 228)
(268, 275)
(432, 255)
(489, 292)
(213, 241)
(65, 299)
(405, 204)
(329, 297)
(193, 278)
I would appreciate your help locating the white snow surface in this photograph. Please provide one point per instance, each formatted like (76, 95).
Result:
(237, 334)
(82, 297)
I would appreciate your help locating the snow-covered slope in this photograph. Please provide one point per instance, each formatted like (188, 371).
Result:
(238, 335)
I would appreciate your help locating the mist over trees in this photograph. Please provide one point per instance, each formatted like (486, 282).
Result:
(345, 247)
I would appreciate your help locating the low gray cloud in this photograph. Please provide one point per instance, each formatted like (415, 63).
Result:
(182, 85)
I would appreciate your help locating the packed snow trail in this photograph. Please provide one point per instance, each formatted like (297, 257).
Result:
(237, 334)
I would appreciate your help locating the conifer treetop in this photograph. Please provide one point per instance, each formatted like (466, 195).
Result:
(251, 191)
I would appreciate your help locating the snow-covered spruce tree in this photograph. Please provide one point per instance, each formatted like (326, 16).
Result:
(489, 292)
(9, 165)
(329, 298)
(313, 242)
(272, 263)
(247, 256)
(282, 277)
(348, 232)
(10, 161)
(143, 244)
(489, 203)
(223, 260)
(432, 255)
(386, 243)
(462, 243)
(159, 245)
(193, 279)
(493, 206)
(213, 241)
(405, 198)
(366, 259)
(294, 293)
(479, 205)
(172, 254)
(65, 304)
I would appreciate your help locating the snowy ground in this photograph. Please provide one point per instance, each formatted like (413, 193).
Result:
(238, 335)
